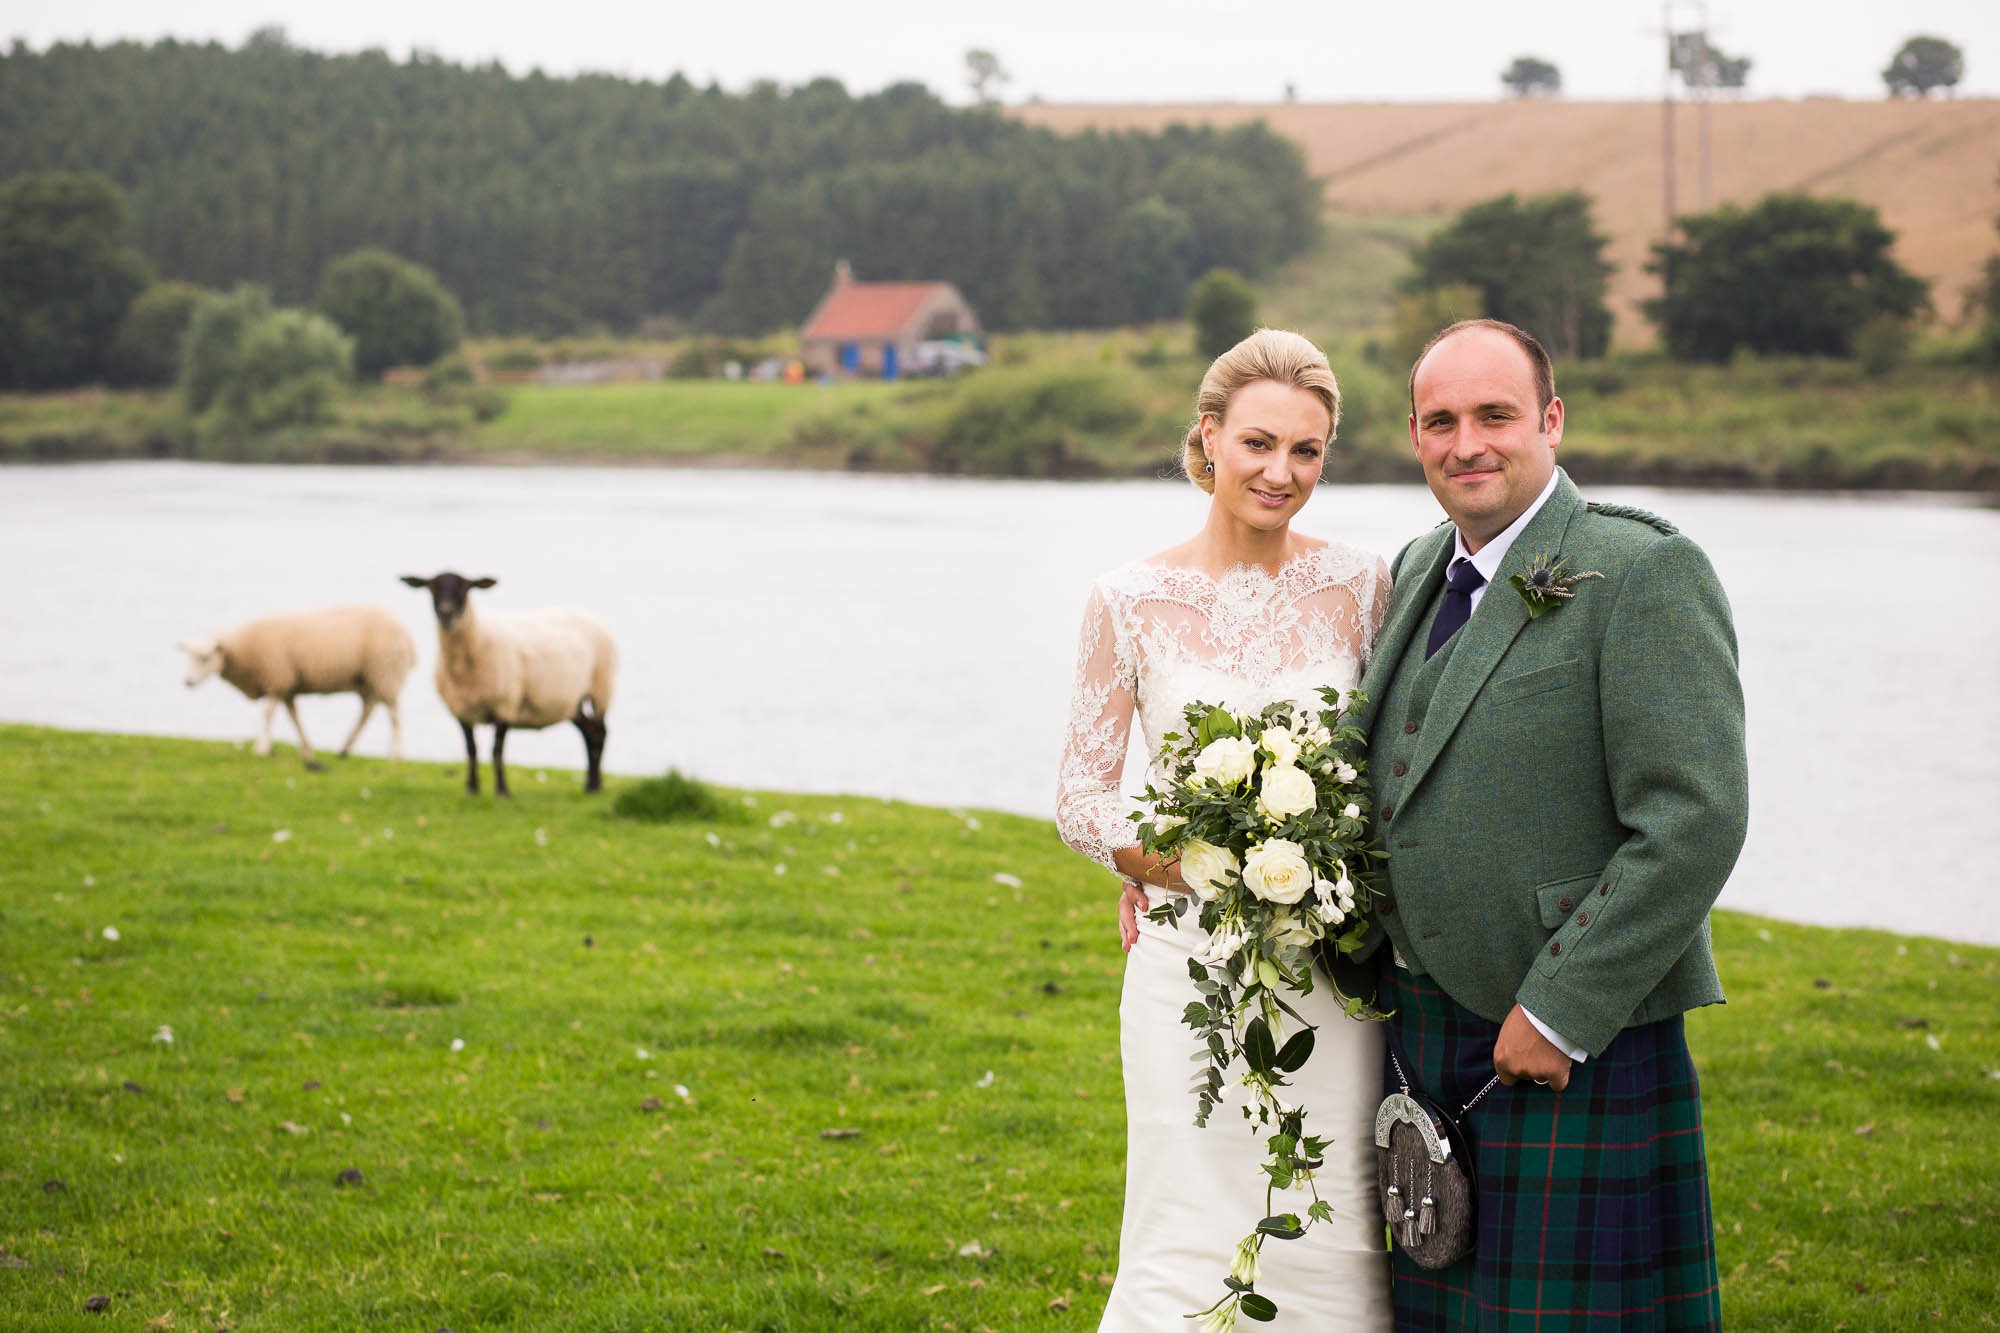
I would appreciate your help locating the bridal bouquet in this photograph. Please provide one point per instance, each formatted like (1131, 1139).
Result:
(1268, 815)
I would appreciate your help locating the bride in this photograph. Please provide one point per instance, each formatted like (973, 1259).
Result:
(1243, 613)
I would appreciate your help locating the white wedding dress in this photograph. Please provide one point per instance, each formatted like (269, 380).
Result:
(1156, 638)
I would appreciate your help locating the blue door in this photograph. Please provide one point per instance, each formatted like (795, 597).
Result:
(889, 362)
(850, 357)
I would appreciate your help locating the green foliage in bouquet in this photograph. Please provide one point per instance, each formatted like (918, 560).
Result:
(1267, 814)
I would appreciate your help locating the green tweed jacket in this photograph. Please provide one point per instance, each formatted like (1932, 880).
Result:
(1562, 808)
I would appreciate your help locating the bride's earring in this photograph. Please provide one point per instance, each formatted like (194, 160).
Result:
(1210, 469)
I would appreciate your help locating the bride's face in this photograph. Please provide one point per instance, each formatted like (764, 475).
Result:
(1267, 450)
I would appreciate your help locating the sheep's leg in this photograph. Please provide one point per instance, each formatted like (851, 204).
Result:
(305, 746)
(471, 760)
(499, 768)
(395, 728)
(367, 707)
(593, 749)
(263, 745)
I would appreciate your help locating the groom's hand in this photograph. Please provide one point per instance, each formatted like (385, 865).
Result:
(1523, 1054)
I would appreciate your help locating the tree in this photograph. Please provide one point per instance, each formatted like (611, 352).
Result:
(1790, 274)
(1924, 63)
(397, 312)
(986, 75)
(147, 349)
(1701, 64)
(1157, 243)
(66, 277)
(1530, 76)
(1224, 311)
(1537, 262)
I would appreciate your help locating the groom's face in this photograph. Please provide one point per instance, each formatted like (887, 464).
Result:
(1486, 447)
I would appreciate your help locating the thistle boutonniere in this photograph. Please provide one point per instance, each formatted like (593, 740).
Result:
(1544, 586)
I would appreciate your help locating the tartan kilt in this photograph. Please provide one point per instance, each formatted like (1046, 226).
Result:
(1593, 1202)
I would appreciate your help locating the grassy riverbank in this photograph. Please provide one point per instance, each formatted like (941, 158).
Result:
(1113, 404)
(819, 1064)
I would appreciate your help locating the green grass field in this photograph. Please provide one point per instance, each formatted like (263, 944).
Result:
(813, 1066)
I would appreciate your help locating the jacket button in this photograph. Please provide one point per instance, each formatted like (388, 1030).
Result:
(1564, 906)
(1603, 889)
(1400, 768)
(1388, 907)
(1583, 918)
(1410, 727)
(1387, 811)
(1555, 950)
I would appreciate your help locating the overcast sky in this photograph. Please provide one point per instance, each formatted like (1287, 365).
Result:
(1094, 50)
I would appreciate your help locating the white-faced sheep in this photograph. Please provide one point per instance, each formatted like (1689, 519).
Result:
(523, 669)
(360, 650)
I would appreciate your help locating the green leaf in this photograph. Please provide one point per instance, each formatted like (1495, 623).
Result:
(1259, 1051)
(1283, 1226)
(1293, 1056)
(1260, 1308)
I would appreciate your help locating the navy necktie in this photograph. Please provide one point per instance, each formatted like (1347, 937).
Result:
(1460, 582)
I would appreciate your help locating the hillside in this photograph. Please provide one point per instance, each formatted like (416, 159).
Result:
(1931, 168)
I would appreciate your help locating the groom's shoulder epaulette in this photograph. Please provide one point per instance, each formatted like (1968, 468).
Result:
(1636, 514)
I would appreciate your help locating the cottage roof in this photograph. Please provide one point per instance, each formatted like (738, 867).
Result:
(857, 310)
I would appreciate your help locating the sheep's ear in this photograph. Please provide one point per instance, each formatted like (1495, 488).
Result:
(416, 582)
(188, 648)
(484, 583)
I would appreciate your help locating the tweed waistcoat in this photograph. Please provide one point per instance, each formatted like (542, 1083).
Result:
(1402, 712)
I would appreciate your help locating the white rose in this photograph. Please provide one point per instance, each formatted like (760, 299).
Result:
(1285, 791)
(1276, 871)
(1227, 761)
(1282, 744)
(1206, 867)
(1345, 771)
(1352, 811)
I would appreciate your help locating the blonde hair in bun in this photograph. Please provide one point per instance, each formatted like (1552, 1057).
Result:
(1268, 354)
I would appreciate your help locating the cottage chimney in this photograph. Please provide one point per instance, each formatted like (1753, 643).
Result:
(843, 273)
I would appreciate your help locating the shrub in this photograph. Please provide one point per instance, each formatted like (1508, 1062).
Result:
(146, 353)
(1224, 311)
(1036, 422)
(1882, 345)
(672, 797)
(67, 276)
(214, 340)
(397, 312)
(288, 371)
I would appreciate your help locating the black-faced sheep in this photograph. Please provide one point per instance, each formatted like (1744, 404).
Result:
(360, 650)
(523, 669)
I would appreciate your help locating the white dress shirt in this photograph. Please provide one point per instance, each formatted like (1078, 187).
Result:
(1487, 562)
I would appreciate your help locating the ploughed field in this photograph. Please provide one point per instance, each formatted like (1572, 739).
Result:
(1928, 167)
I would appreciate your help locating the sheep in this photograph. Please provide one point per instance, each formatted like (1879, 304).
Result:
(525, 669)
(362, 650)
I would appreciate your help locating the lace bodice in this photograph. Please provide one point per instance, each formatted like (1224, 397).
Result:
(1157, 638)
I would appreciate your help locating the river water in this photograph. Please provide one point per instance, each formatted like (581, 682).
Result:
(913, 637)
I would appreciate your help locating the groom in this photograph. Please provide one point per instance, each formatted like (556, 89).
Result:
(1556, 741)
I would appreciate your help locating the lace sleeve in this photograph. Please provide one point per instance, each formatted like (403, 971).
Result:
(1374, 609)
(1091, 810)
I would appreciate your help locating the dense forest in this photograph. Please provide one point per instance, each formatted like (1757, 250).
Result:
(554, 205)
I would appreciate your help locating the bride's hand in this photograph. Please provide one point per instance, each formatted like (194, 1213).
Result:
(1131, 902)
